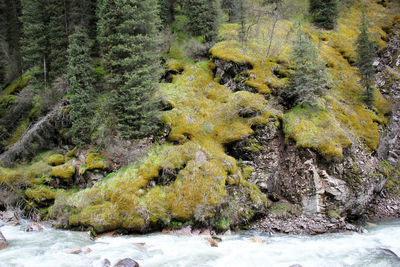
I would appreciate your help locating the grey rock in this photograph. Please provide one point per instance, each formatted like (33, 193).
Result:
(127, 262)
(3, 242)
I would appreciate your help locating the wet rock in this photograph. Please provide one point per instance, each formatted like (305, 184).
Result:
(10, 217)
(33, 227)
(211, 241)
(127, 262)
(257, 240)
(216, 238)
(3, 242)
(296, 265)
(106, 263)
(75, 251)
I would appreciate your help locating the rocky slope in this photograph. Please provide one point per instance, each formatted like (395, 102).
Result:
(233, 151)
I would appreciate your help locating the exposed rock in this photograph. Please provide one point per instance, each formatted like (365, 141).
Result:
(257, 240)
(211, 241)
(127, 262)
(75, 251)
(3, 242)
(33, 227)
(106, 263)
(10, 217)
(216, 238)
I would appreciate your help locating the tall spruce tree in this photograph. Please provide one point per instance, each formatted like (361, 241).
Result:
(366, 51)
(232, 8)
(129, 42)
(203, 17)
(324, 13)
(58, 37)
(310, 78)
(35, 39)
(167, 12)
(80, 77)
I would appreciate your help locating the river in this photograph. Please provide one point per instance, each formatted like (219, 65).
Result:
(52, 248)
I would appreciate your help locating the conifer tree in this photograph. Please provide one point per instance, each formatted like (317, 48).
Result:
(310, 78)
(35, 40)
(81, 81)
(203, 17)
(366, 51)
(166, 11)
(232, 8)
(58, 38)
(129, 42)
(324, 13)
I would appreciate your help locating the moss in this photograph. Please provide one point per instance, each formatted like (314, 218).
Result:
(332, 213)
(16, 136)
(94, 161)
(40, 194)
(70, 154)
(56, 159)
(64, 172)
(17, 85)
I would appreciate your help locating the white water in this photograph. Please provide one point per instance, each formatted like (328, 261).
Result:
(51, 248)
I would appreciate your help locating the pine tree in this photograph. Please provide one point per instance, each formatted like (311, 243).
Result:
(167, 11)
(324, 13)
(310, 78)
(366, 51)
(203, 17)
(232, 8)
(129, 42)
(81, 81)
(58, 37)
(35, 40)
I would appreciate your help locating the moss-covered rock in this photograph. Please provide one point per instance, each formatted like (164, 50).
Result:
(65, 172)
(94, 161)
(56, 159)
(41, 194)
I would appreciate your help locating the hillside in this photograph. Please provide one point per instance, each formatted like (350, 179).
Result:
(231, 147)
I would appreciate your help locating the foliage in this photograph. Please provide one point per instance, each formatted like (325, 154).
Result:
(366, 51)
(203, 17)
(167, 11)
(310, 79)
(80, 77)
(128, 38)
(324, 13)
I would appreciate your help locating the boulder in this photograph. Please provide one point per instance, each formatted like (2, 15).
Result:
(3, 242)
(127, 262)
(106, 263)
(211, 241)
(33, 227)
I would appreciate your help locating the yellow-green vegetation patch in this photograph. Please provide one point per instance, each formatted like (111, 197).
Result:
(65, 171)
(17, 85)
(19, 131)
(40, 193)
(94, 161)
(185, 181)
(341, 118)
(56, 159)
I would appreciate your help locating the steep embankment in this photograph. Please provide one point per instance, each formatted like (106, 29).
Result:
(234, 150)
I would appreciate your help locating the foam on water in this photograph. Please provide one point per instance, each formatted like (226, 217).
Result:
(52, 248)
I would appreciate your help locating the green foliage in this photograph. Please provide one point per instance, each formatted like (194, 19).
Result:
(58, 38)
(366, 51)
(203, 17)
(128, 38)
(35, 39)
(80, 76)
(324, 13)
(310, 79)
(167, 11)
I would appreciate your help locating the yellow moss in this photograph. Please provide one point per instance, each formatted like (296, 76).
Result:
(94, 161)
(19, 131)
(40, 193)
(17, 85)
(65, 171)
(56, 159)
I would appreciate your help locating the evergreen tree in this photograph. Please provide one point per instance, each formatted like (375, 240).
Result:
(324, 13)
(81, 81)
(58, 38)
(233, 9)
(35, 40)
(366, 51)
(129, 42)
(203, 17)
(310, 78)
(167, 12)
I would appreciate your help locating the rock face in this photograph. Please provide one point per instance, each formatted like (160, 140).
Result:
(325, 194)
(127, 263)
(3, 242)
